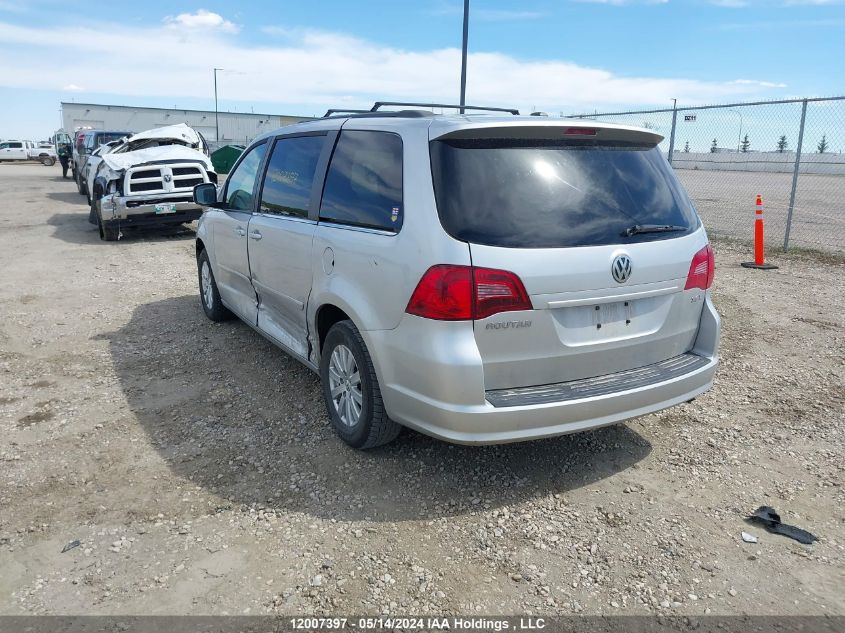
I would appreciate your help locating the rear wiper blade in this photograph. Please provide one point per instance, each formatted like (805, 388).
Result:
(652, 228)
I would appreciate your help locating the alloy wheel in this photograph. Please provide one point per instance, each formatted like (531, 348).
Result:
(345, 385)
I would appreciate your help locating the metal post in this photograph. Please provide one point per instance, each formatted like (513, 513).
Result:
(672, 134)
(795, 176)
(464, 57)
(216, 118)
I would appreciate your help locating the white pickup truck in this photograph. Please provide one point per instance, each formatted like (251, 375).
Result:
(27, 150)
(148, 179)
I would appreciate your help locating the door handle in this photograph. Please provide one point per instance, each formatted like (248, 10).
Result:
(255, 235)
(240, 231)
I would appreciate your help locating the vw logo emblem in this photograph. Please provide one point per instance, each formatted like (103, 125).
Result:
(621, 268)
(167, 177)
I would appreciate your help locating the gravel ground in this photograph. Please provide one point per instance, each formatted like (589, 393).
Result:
(196, 466)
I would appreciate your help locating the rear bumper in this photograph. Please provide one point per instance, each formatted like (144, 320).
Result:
(438, 394)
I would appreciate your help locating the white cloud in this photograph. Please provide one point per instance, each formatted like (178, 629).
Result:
(201, 20)
(754, 82)
(73, 88)
(316, 69)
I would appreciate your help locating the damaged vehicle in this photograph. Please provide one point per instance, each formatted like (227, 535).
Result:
(90, 167)
(148, 180)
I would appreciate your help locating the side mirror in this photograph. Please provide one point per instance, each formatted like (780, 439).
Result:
(206, 194)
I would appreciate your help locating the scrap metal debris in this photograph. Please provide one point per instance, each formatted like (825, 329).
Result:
(771, 521)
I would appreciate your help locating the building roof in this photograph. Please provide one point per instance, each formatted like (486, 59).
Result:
(185, 110)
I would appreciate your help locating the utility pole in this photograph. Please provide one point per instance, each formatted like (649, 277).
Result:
(464, 57)
(216, 117)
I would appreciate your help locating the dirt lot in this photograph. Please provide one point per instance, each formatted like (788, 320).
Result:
(195, 463)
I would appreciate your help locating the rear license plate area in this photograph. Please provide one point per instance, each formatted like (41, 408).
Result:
(618, 312)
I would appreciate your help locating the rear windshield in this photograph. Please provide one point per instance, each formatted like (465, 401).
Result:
(545, 194)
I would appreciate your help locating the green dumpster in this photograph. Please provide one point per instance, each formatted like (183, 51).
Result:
(225, 157)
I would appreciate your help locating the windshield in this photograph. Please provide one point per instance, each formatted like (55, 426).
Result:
(547, 194)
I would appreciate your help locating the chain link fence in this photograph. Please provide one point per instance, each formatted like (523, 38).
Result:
(791, 152)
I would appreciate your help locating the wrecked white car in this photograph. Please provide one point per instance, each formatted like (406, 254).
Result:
(148, 179)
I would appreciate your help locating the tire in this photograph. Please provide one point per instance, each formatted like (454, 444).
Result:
(93, 215)
(109, 232)
(80, 186)
(47, 161)
(345, 355)
(209, 295)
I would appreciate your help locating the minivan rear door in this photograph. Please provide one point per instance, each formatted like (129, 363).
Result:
(596, 226)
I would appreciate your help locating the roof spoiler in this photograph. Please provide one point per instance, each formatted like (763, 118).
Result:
(562, 129)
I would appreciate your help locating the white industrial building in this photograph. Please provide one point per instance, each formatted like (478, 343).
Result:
(235, 127)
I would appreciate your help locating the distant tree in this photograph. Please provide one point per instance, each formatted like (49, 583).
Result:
(714, 146)
(686, 147)
(650, 126)
(822, 146)
(782, 143)
(743, 147)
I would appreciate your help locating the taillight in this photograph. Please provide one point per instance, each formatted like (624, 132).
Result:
(498, 291)
(461, 293)
(444, 293)
(702, 269)
(579, 131)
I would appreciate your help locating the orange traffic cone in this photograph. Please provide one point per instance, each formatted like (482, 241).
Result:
(759, 257)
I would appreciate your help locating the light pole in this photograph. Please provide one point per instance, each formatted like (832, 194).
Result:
(739, 138)
(464, 57)
(216, 117)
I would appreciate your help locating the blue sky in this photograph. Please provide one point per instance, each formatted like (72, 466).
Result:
(300, 58)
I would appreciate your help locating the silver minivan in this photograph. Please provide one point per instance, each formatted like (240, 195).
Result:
(479, 278)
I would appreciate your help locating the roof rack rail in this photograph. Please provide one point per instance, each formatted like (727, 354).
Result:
(379, 104)
(332, 111)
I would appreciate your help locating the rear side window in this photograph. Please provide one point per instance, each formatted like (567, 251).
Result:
(364, 182)
(290, 175)
(546, 194)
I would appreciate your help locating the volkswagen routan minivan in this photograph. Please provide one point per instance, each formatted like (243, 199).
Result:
(479, 278)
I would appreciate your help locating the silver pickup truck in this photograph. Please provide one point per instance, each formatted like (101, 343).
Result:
(148, 180)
